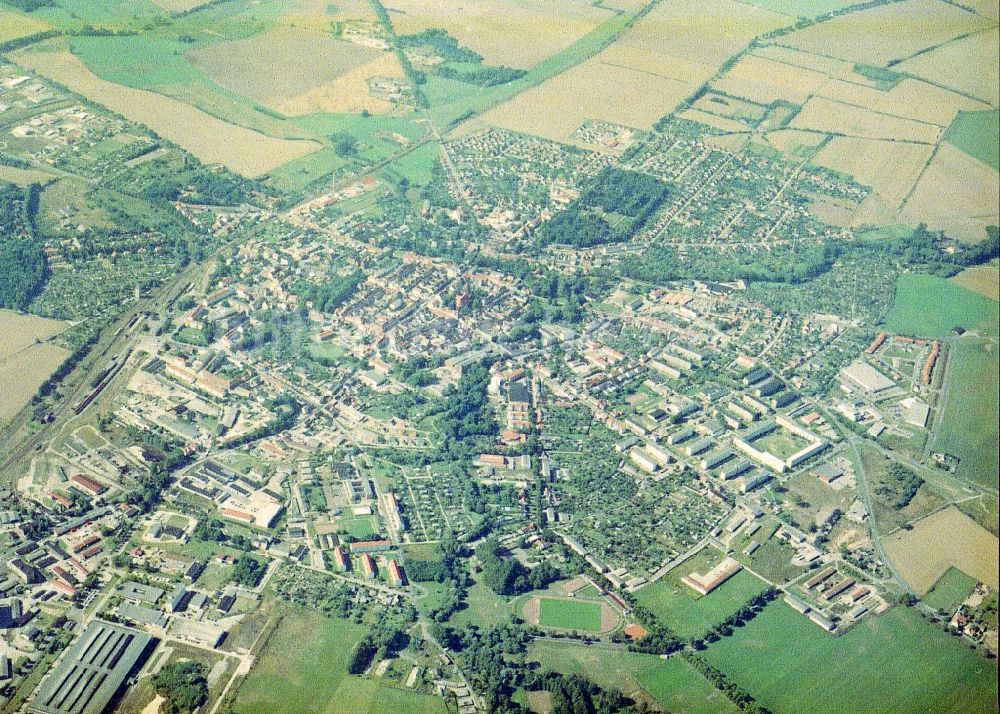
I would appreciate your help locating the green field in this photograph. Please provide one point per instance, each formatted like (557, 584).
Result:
(950, 591)
(570, 614)
(928, 306)
(968, 422)
(896, 662)
(690, 614)
(483, 608)
(801, 8)
(303, 668)
(360, 527)
(674, 684)
(978, 135)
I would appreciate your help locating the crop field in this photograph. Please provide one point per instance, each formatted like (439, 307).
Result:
(950, 590)
(821, 114)
(690, 614)
(569, 614)
(303, 668)
(15, 24)
(26, 360)
(969, 65)
(956, 194)
(764, 80)
(673, 683)
(909, 99)
(884, 664)
(978, 135)
(968, 420)
(945, 539)
(982, 279)
(890, 32)
(296, 61)
(23, 177)
(209, 139)
(179, 5)
(929, 306)
(347, 93)
(515, 33)
(801, 8)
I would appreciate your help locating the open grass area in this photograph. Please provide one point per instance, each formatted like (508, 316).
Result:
(885, 664)
(950, 591)
(928, 306)
(673, 684)
(978, 135)
(570, 614)
(970, 413)
(303, 668)
(690, 614)
(484, 608)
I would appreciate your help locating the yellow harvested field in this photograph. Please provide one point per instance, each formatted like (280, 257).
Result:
(282, 63)
(888, 32)
(790, 141)
(824, 115)
(714, 120)
(179, 5)
(516, 33)
(707, 33)
(948, 538)
(212, 140)
(728, 107)
(911, 99)
(970, 65)
(25, 359)
(982, 279)
(765, 80)
(956, 194)
(890, 168)
(830, 66)
(15, 24)
(348, 93)
(613, 86)
(987, 8)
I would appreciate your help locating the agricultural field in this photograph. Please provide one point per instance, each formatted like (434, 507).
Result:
(928, 306)
(15, 24)
(27, 358)
(514, 33)
(981, 279)
(978, 135)
(968, 421)
(968, 65)
(688, 613)
(209, 139)
(673, 684)
(950, 590)
(303, 668)
(946, 539)
(883, 664)
(886, 33)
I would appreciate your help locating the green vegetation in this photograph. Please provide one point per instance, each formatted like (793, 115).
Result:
(183, 685)
(570, 614)
(898, 485)
(23, 268)
(248, 570)
(505, 575)
(968, 421)
(612, 209)
(950, 591)
(929, 306)
(685, 612)
(883, 664)
(978, 135)
(330, 295)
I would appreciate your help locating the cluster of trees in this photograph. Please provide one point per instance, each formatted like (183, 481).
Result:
(576, 694)
(384, 639)
(248, 570)
(23, 267)
(222, 189)
(745, 614)
(481, 76)
(328, 296)
(31, 5)
(899, 485)
(209, 529)
(164, 457)
(286, 410)
(417, 371)
(467, 411)
(629, 196)
(443, 45)
(183, 685)
(505, 575)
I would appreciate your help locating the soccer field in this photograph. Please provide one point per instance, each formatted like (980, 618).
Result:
(570, 614)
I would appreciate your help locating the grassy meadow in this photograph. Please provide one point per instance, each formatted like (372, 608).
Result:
(929, 306)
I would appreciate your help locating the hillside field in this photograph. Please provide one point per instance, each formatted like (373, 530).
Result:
(929, 306)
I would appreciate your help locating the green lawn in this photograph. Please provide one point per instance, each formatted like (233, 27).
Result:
(928, 306)
(674, 684)
(690, 614)
(950, 590)
(483, 608)
(303, 668)
(360, 527)
(968, 423)
(570, 614)
(978, 135)
(896, 662)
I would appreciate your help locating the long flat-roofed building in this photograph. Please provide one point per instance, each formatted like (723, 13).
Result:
(91, 674)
